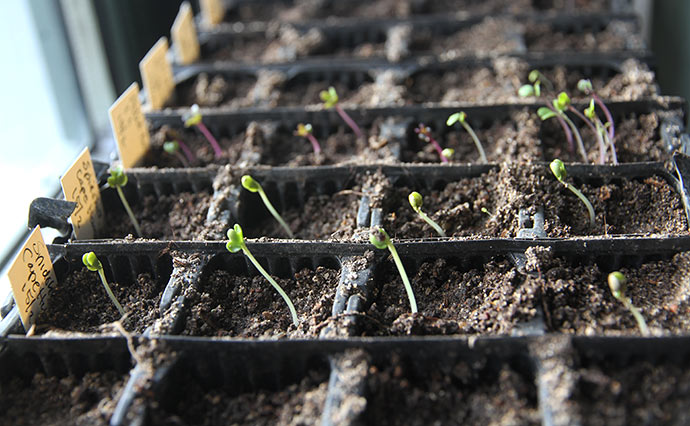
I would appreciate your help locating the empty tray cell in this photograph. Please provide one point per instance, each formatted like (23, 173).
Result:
(233, 299)
(216, 89)
(595, 35)
(577, 298)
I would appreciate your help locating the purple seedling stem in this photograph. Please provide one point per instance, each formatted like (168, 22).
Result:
(187, 152)
(305, 131)
(211, 139)
(330, 100)
(194, 118)
(350, 122)
(424, 133)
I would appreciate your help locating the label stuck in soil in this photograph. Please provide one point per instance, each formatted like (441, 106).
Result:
(32, 278)
(183, 33)
(79, 185)
(157, 75)
(129, 127)
(212, 12)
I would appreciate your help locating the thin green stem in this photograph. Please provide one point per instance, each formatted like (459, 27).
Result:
(641, 323)
(403, 274)
(273, 282)
(578, 138)
(584, 199)
(275, 214)
(480, 148)
(110, 292)
(129, 211)
(431, 223)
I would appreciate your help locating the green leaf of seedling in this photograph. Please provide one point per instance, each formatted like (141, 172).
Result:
(192, 117)
(589, 111)
(117, 177)
(171, 147)
(415, 199)
(526, 91)
(329, 97)
(458, 117)
(448, 152)
(617, 284)
(562, 101)
(533, 76)
(91, 261)
(236, 239)
(545, 113)
(584, 86)
(303, 130)
(250, 184)
(379, 238)
(558, 169)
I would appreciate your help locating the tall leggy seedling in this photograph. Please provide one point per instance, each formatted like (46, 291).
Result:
(305, 131)
(415, 199)
(560, 105)
(558, 170)
(380, 239)
(193, 118)
(235, 244)
(117, 180)
(93, 264)
(251, 185)
(461, 117)
(424, 133)
(330, 100)
(617, 285)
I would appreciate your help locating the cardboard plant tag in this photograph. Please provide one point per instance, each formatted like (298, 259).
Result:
(79, 185)
(32, 278)
(129, 127)
(212, 12)
(157, 75)
(183, 33)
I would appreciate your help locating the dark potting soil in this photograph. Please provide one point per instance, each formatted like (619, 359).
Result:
(618, 35)
(491, 37)
(464, 393)
(89, 400)
(241, 306)
(296, 404)
(577, 298)
(616, 393)
(80, 303)
(213, 91)
(492, 299)
(168, 217)
(648, 206)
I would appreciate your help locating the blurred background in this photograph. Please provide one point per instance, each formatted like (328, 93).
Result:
(66, 61)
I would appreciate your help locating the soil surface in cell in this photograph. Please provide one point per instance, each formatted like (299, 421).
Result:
(577, 299)
(241, 306)
(168, 217)
(462, 394)
(618, 35)
(643, 392)
(490, 300)
(296, 404)
(646, 206)
(89, 400)
(80, 303)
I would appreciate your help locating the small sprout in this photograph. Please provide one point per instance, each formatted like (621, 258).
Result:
(415, 199)
(448, 153)
(561, 104)
(93, 264)
(617, 285)
(424, 133)
(193, 118)
(558, 170)
(305, 131)
(173, 148)
(380, 239)
(585, 86)
(117, 180)
(461, 117)
(251, 185)
(534, 89)
(235, 244)
(330, 100)
(486, 211)
(528, 90)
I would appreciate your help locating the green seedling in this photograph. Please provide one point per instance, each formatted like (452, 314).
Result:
(618, 284)
(448, 153)
(601, 133)
(193, 118)
(415, 199)
(537, 79)
(173, 148)
(424, 133)
(560, 105)
(558, 170)
(305, 131)
(380, 239)
(235, 244)
(330, 100)
(252, 185)
(117, 180)
(461, 117)
(585, 86)
(93, 264)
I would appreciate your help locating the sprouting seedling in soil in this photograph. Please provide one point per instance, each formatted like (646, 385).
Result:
(93, 264)
(560, 105)
(618, 284)
(380, 239)
(173, 148)
(235, 244)
(585, 86)
(193, 118)
(117, 180)
(461, 117)
(537, 79)
(448, 153)
(599, 129)
(558, 170)
(250, 184)
(305, 131)
(424, 133)
(330, 100)
(415, 199)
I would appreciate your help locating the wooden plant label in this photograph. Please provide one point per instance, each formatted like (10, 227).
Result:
(157, 75)
(212, 12)
(183, 33)
(79, 185)
(32, 278)
(129, 127)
